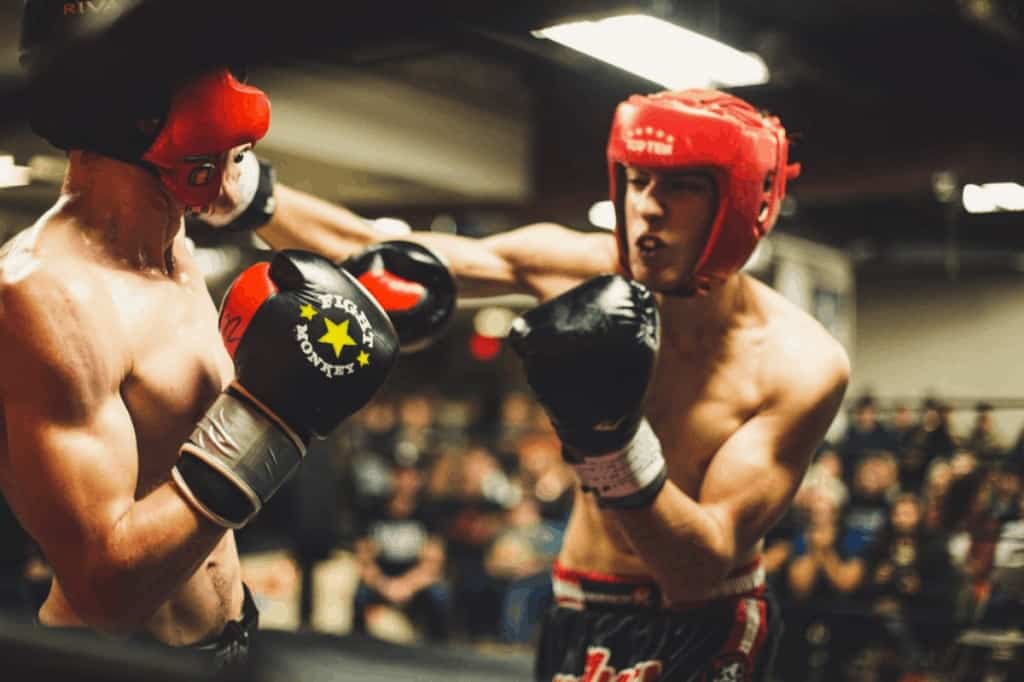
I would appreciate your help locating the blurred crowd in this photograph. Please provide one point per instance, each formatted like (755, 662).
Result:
(903, 534)
(453, 509)
(455, 512)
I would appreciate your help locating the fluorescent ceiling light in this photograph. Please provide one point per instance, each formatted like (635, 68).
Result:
(992, 197)
(11, 175)
(657, 50)
(602, 214)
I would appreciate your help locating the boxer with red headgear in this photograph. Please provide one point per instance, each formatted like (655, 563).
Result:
(689, 397)
(136, 435)
(743, 152)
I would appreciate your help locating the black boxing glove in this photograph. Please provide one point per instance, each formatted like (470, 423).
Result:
(589, 355)
(310, 347)
(414, 286)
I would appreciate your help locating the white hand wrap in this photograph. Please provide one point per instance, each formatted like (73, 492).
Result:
(630, 477)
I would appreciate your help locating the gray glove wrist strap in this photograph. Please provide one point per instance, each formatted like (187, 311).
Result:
(241, 441)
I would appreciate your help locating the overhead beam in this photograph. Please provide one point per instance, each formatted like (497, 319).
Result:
(387, 127)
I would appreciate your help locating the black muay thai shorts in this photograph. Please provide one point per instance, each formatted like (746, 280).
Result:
(613, 628)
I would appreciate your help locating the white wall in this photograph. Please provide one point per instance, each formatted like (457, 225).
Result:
(960, 339)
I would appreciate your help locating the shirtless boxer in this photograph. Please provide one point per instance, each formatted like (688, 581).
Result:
(705, 439)
(134, 438)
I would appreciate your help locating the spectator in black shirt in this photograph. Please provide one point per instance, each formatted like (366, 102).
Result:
(931, 439)
(401, 560)
(864, 435)
(983, 440)
(911, 583)
(901, 426)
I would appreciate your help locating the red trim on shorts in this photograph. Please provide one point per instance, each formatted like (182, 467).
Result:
(691, 605)
(745, 638)
(560, 572)
(762, 632)
(739, 626)
(577, 589)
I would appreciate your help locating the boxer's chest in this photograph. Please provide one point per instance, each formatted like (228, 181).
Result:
(696, 403)
(178, 367)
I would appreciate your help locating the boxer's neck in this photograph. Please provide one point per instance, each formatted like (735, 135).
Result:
(694, 321)
(125, 207)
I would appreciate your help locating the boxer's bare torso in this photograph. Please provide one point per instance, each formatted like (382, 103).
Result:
(754, 355)
(699, 398)
(88, 443)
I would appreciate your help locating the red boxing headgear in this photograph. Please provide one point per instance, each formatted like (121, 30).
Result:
(207, 117)
(745, 151)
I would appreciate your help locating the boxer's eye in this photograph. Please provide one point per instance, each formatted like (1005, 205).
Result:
(241, 154)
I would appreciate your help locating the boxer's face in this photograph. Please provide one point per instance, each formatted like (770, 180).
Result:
(230, 190)
(668, 217)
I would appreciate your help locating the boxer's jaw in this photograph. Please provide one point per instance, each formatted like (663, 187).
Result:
(668, 219)
(121, 207)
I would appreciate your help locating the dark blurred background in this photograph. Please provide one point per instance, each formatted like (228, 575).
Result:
(455, 117)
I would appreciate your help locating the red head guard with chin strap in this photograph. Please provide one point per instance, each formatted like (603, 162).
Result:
(208, 116)
(745, 152)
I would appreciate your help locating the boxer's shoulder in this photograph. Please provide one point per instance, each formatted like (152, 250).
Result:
(55, 316)
(805, 362)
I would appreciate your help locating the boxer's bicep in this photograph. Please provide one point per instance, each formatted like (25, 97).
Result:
(70, 438)
(76, 469)
(754, 476)
(75, 479)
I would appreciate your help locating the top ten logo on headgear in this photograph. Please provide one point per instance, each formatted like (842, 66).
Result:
(649, 140)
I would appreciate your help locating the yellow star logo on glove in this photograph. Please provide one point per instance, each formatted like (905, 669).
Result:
(307, 312)
(337, 336)
(363, 358)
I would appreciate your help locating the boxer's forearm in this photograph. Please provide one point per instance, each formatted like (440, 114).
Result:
(686, 548)
(478, 269)
(302, 221)
(152, 549)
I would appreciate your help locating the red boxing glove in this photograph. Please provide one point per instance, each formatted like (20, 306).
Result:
(413, 285)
